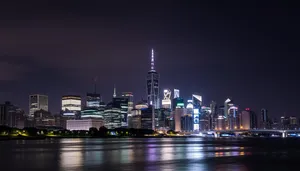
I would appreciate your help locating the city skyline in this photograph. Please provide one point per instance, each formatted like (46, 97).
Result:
(246, 60)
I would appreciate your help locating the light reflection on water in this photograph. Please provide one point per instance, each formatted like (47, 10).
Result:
(121, 154)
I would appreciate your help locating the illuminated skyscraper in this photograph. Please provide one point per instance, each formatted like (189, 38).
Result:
(37, 102)
(93, 100)
(166, 102)
(153, 89)
(129, 95)
(176, 93)
(70, 105)
(153, 85)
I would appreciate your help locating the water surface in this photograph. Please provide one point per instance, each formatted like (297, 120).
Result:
(190, 154)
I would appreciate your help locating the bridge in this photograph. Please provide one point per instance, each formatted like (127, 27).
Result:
(255, 132)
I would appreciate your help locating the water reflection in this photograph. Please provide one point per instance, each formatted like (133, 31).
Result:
(71, 156)
(127, 154)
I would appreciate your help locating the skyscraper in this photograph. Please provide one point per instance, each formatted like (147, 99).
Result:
(153, 89)
(71, 105)
(166, 102)
(176, 93)
(264, 119)
(93, 100)
(248, 119)
(153, 85)
(37, 102)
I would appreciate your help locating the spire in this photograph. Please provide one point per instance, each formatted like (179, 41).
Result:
(115, 94)
(152, 60)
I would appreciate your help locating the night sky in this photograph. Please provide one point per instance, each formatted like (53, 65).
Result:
(246, 51)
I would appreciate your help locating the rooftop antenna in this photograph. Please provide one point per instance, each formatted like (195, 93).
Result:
(152, 60)
(115, 94)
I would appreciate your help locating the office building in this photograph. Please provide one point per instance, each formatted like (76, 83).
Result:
(284, 122)
(178, 114)
(122, 104)
(176, 93)
(197, 101)
(205, 119)
(293, 123)
(164, 119)
(85, 124)
(37, 102)
(93, 100)
(91, 113)
(214, 115)
(134, 119)
(178, 103)
(147, 120)
(265, 124)
(11, 115)
(43, 118)
(166, 102)
(221, 125)
(248, 120)
(129, 96)
(71, 105)
(112, 117)
(153, 85)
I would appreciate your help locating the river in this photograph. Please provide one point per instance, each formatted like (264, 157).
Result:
(190, 154)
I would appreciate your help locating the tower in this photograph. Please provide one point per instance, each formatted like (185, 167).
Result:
(153, 87)
(115, 93)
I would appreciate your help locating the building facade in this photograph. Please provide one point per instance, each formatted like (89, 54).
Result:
(37, 102)
(153, 85)
(71, 105)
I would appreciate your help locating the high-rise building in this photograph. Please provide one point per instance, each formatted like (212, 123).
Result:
(112, 116)
(176, 93)
(153, 85)
(213, 116)
(122, 104)
(166, 102)
(178, 103)
(11, 115)
(226, 106)
(70, 105)
(284, 122)
(264, 119)
(233, 117)
(204, 119)
(93, 100)
(178, 114)
(37, 102)
(221, 125)
(146, 118)
(197, 101)
(248, 120)
(129, 96)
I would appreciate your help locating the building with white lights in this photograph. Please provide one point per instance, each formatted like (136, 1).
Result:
(153, 85)
(93, 100)
(166, 102)
(37, 102)
(70, 105)
(176, 93)
(85, 124)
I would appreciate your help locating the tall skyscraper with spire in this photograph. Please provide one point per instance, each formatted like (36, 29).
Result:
(153, 85)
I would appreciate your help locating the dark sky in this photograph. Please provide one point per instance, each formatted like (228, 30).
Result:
(247, 51)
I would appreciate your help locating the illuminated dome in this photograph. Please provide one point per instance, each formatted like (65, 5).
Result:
(141, 105)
